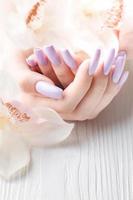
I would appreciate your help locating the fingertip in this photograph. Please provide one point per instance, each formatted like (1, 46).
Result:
(68, 59)
(119, 68)
(123, 79)
(48, 90)
(52, 55)
(109, 62)
(31, 61)
(94, 62)
(40, 56)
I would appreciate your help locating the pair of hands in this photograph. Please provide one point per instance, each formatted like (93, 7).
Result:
(76, 87)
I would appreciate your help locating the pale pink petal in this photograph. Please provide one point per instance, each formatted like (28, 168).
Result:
(23, 109)
(14, 154)
(3, 110)
(47, 114)
(46, 133)
(126, 37)
(49, 129)
(9, 89)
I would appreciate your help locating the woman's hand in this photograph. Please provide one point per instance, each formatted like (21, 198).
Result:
(59, 66)
(93, 88)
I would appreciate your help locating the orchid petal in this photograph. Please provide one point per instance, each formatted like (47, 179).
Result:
(47, 133)
(51, 129)
(14, 154)
(3, 110)
(47, 114)
(8, 87)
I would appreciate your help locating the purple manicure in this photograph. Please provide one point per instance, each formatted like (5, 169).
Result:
(123, 79)
(108, 64)
(94, 64)
(119, 68)
(121, 53)
(52, 55)
(48, 90)
(68, 59)
(31, 61)
(40, 56)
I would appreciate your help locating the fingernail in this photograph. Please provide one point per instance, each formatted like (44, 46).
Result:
(123, 79)
(52, 55)
(94, 64)
(119, 68)
(40, 56)
(68, 59)
(31, 61)
(48, 90)
(109, 62)
(122, 53)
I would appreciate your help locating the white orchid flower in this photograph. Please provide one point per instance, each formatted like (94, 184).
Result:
(22, 128)
(65, 24)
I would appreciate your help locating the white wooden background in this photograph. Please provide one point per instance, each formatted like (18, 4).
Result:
(95, 163)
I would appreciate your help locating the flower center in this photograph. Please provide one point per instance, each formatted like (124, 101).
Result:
(16, 113)
(3, 121)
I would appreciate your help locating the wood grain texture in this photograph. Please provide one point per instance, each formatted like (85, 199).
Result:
(95, 163)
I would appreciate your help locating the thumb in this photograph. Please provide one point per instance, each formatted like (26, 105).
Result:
(29, 81)
(39, 85)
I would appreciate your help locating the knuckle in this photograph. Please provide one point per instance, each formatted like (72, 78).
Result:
(61, 76)
(65, 107)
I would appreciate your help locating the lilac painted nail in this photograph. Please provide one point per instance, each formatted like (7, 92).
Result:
(94, 64)
(119, 68)
(121, 53)
(109, 62)
(48, 90)
(52, 55)
(40, 56)
(68, 59)
(31, 61)
(123, 79)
